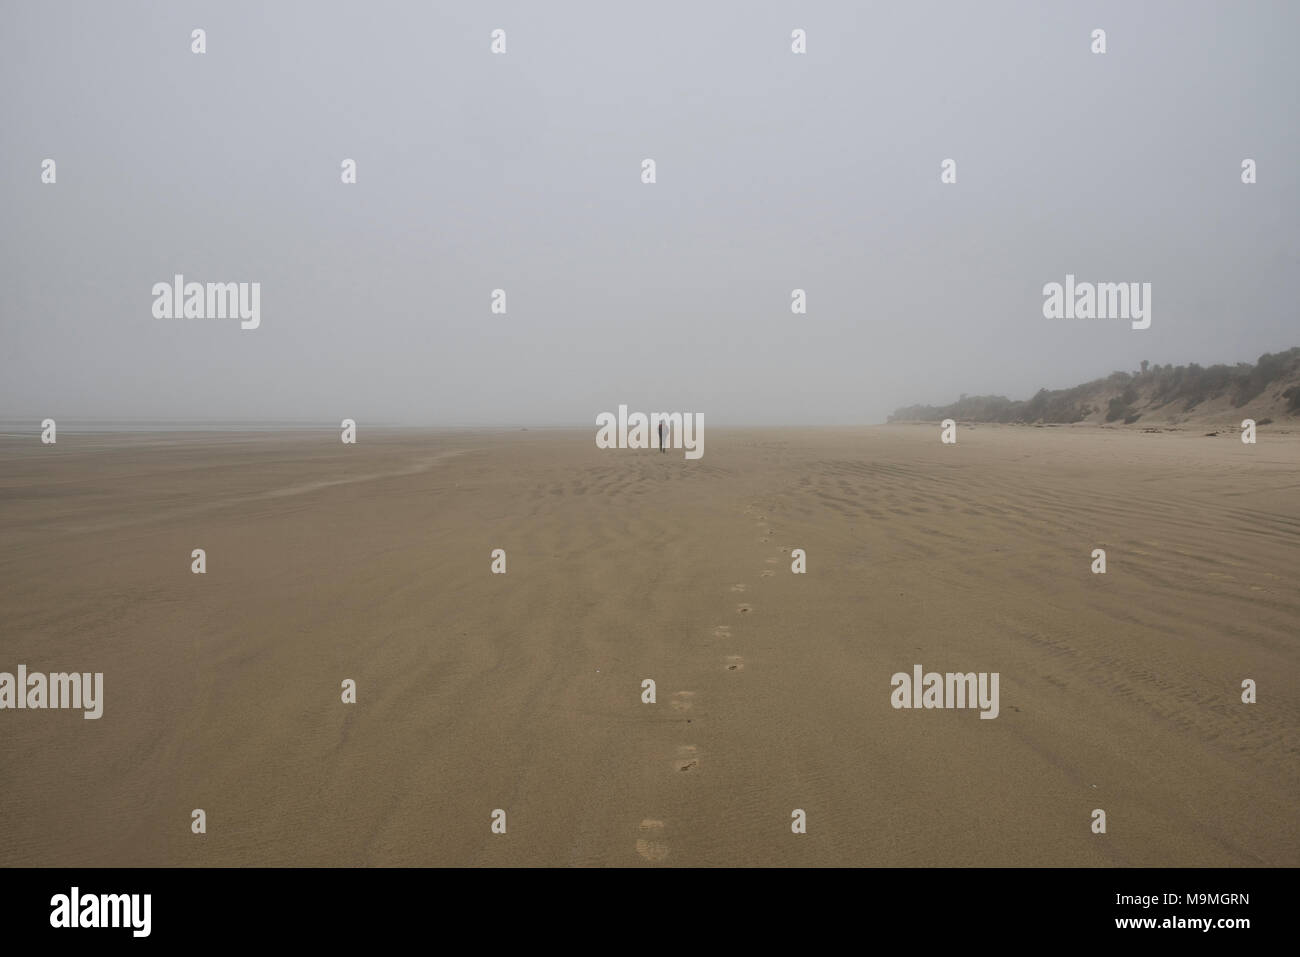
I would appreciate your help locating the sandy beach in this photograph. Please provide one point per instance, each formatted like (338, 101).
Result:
(523, 691)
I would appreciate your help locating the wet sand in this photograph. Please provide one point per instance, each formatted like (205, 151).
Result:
(523, 691)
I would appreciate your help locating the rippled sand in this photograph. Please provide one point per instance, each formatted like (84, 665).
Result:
(523, 691)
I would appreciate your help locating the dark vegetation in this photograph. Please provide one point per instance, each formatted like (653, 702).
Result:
(1181, 388)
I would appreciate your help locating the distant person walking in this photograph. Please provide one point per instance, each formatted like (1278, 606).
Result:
(663, 436)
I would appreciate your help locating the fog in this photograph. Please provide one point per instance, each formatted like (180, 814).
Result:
(522, 171)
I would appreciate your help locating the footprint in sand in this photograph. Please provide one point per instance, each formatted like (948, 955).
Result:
(766, 573)
(688, 758)
(738, 587)
(743, 609)
(649, 844)
(735, 663)
(722, 631)
(681, 701)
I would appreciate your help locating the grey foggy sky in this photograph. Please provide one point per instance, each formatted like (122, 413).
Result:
(522, 171)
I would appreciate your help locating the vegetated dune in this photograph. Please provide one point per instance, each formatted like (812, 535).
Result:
(1191, 395)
